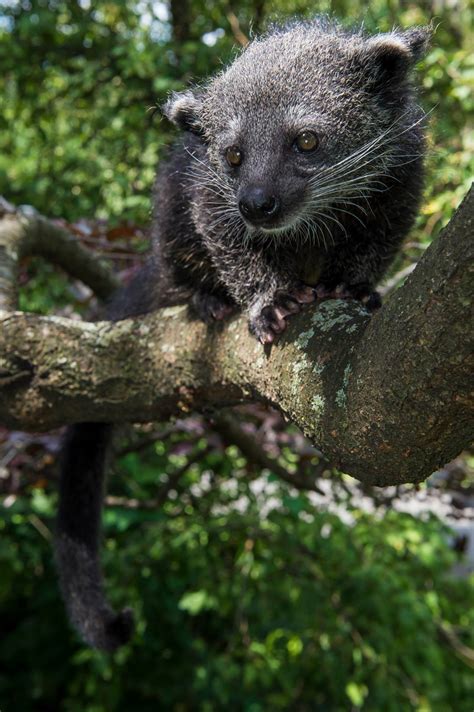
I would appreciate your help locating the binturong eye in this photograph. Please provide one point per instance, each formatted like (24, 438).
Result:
(233, 156)
(306, 141)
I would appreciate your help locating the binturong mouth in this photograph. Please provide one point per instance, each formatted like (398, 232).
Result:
(277, 229)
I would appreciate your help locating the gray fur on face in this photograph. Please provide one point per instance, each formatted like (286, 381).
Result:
(350, 89)
(341, 209)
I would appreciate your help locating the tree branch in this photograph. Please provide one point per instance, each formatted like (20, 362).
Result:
(228, 428)
(24, 235)
(239, 36)
(385, 398)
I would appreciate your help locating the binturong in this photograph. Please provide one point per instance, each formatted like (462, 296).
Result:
(297, 176)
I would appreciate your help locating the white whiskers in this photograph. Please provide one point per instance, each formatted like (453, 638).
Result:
(338, 192)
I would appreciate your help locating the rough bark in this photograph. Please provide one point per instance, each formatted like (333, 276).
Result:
(386, 398)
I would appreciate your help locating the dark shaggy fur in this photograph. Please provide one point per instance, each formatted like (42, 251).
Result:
(265, 227)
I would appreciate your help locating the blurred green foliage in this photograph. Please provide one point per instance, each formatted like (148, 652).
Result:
(245, 599)
(78, 79)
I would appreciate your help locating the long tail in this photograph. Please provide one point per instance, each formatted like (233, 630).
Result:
(78, 534)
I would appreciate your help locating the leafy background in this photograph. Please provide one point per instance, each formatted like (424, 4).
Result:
(259, 582)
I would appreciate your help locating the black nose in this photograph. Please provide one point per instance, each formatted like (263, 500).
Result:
(257, 205)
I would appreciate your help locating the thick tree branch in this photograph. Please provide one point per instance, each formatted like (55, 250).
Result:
(24, 235)
(385, 398)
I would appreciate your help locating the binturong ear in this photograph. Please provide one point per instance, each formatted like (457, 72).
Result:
(183, 109)
(389, 57)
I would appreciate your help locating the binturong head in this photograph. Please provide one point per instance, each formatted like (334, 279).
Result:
(310, 118)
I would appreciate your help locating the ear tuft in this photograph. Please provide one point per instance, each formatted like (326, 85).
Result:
(418, 40)
(392, 55)
(388, 55)
(183, 109)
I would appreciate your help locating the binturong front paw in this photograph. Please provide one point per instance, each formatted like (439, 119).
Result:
(362, 292)
(267, 321)
(211, 307)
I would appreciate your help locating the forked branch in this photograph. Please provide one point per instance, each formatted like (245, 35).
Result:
(386, 398)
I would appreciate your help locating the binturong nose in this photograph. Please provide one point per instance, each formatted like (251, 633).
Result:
(259, 206)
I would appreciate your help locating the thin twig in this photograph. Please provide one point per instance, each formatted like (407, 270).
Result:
(227, 426)
(234, 23)
(391, 283)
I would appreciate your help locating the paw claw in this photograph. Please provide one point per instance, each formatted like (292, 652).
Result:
(321, 291)
(210, 307)
(270, 320)
(362, 292)
(306, 295)
(281, 312)
(372, 301)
